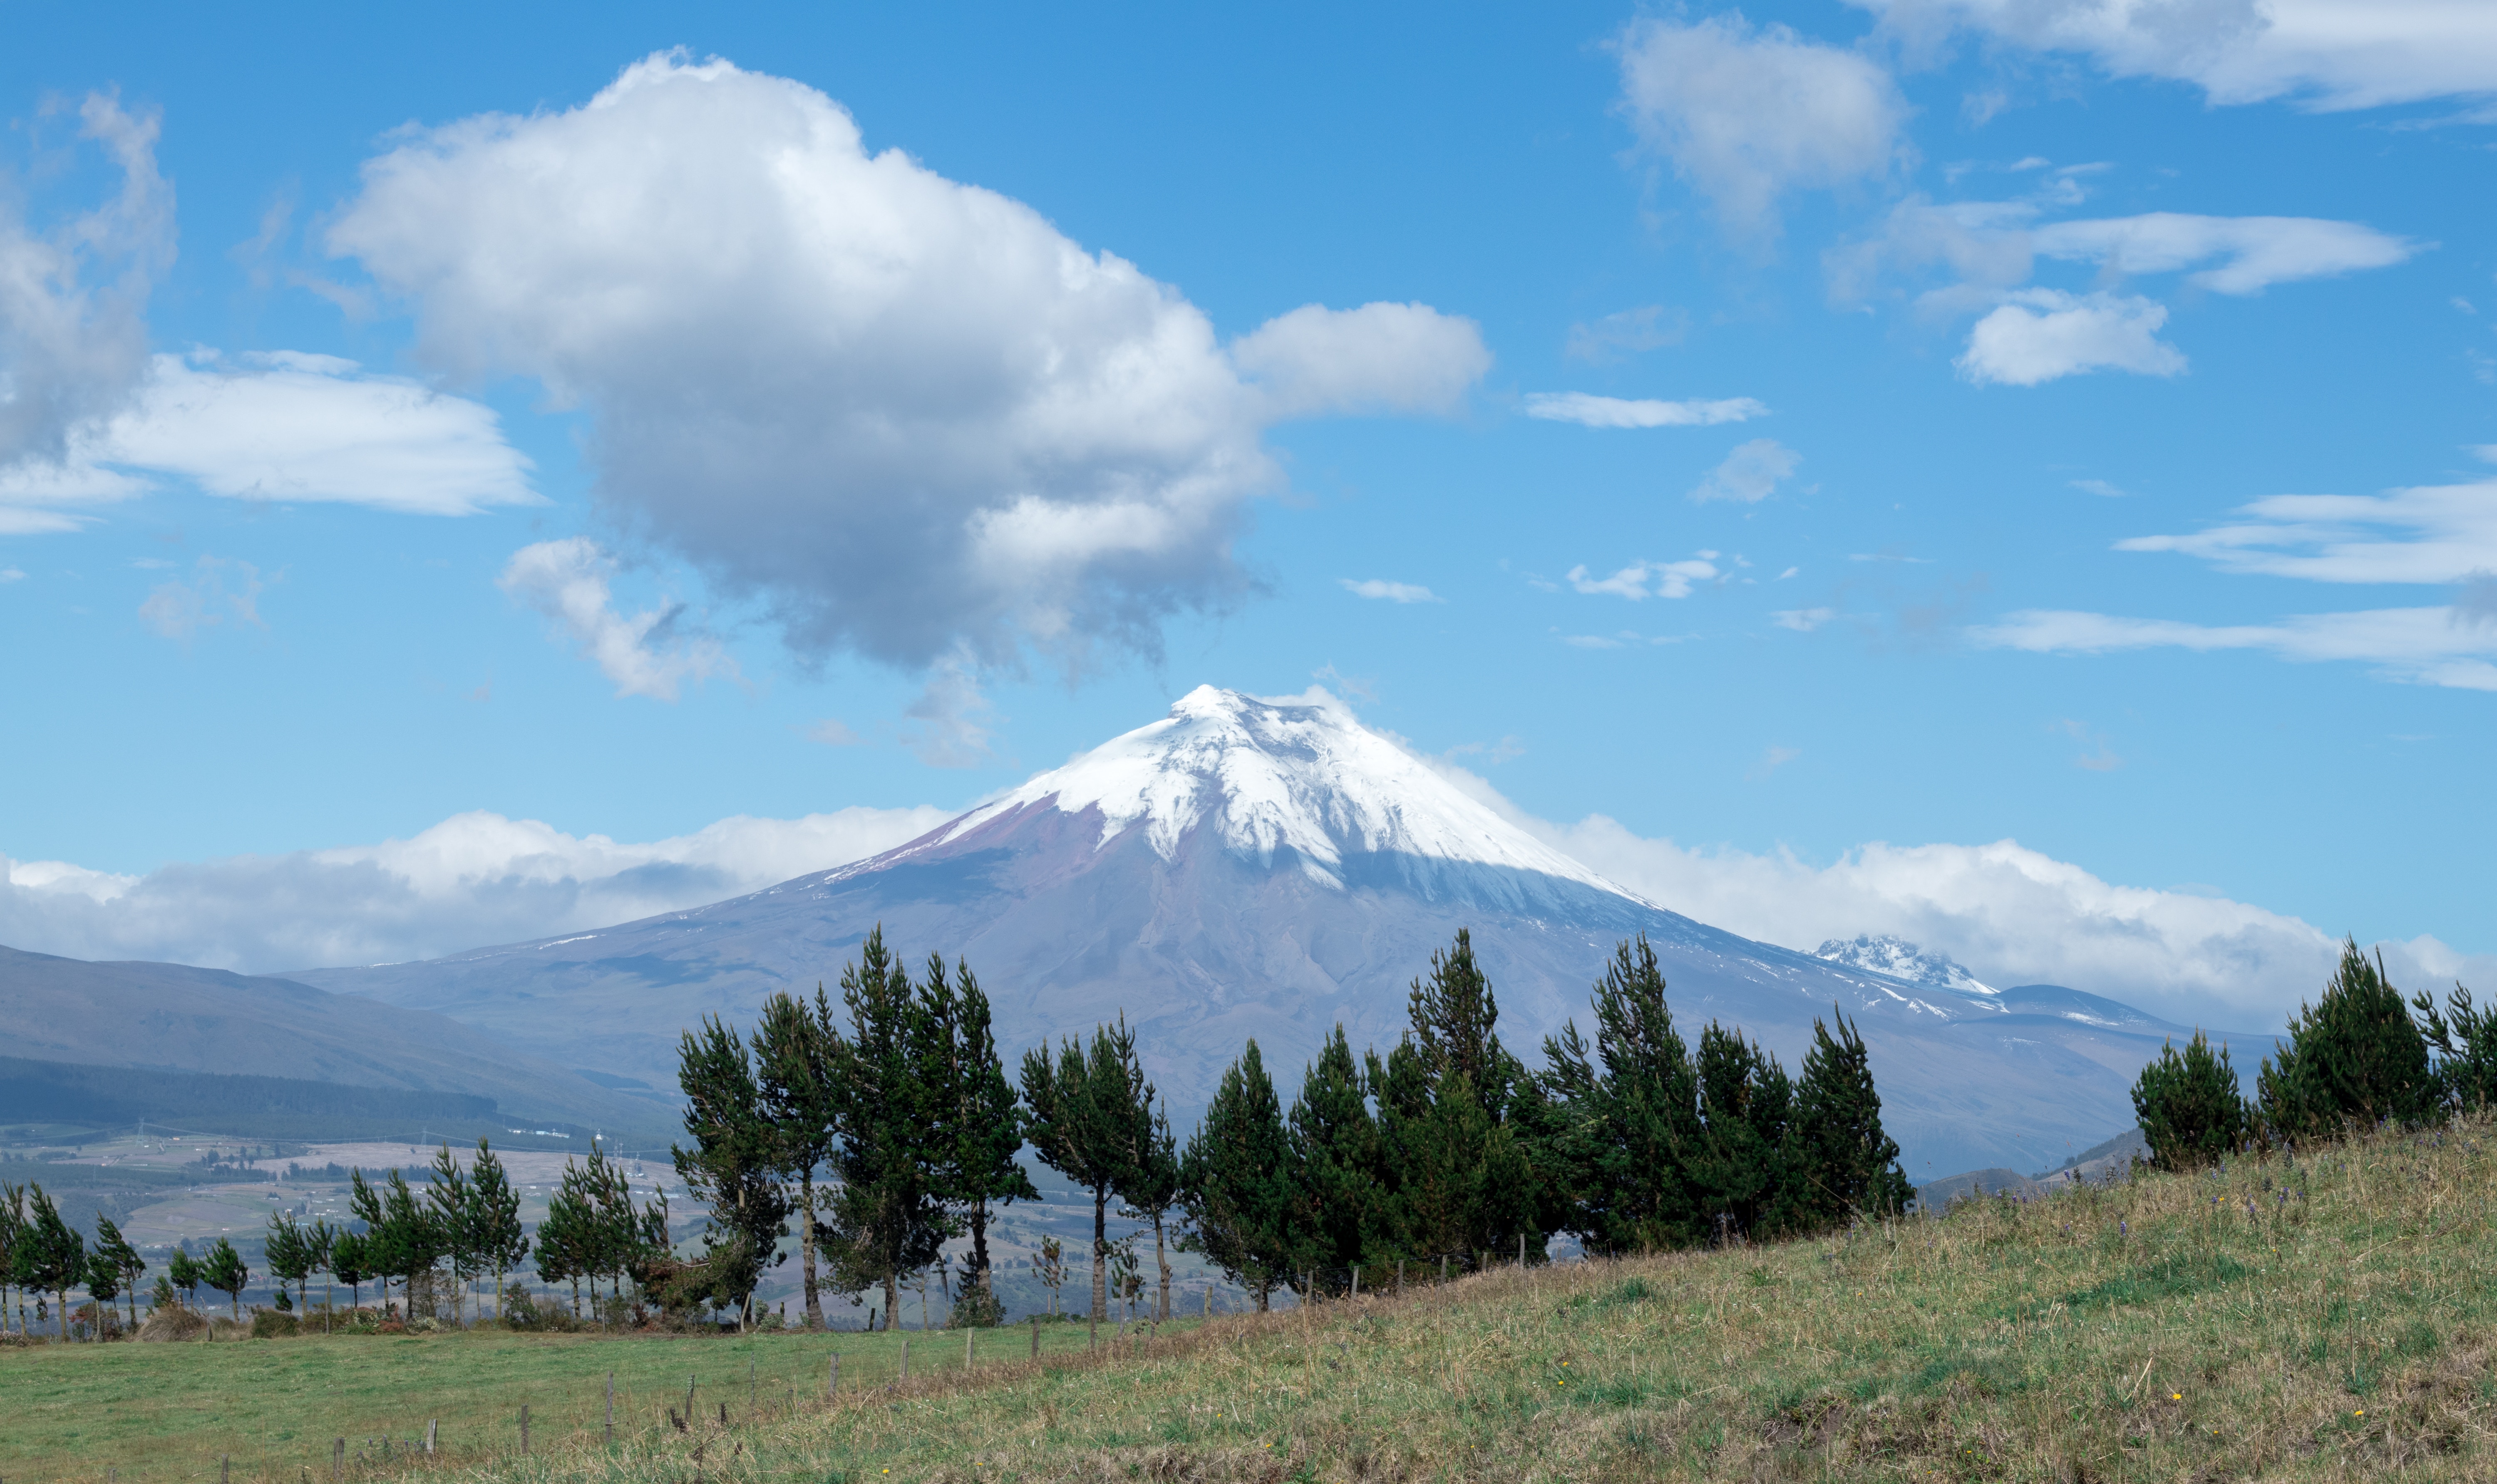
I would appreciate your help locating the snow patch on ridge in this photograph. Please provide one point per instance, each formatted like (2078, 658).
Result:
(1295, 773)
(1895, 958)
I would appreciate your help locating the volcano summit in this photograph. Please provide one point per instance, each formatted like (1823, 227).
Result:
(1254, 866)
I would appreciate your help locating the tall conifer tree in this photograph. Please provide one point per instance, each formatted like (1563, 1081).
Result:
(734, 1167)
(797, 1049)
(979, 1120)
(1083, 1124)
(1238, 1191)
(890, 1210)
(1841, 1161)
(1335, 1161)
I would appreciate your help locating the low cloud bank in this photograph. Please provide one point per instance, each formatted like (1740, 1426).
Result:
(474, 879)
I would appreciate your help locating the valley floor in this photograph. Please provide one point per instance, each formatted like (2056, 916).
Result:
(2322, 1317)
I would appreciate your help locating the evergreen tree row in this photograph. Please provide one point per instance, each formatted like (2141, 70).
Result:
(2356, 1059)
(1449, 1148)
(887, 1127)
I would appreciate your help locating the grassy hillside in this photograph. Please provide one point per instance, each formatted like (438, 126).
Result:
(2324, 1317)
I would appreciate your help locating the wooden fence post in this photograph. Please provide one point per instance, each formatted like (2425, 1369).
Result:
(906, 1357)
(1035, 1337)
(611, 1414)
(525, 1430)
(1356, 1282)
(754, 1397)
(967, 1354)
(1209, 1301)
(338, 1460)
(225, 1468)
(1444, 1267)
(430, 1424)
(689, 1400)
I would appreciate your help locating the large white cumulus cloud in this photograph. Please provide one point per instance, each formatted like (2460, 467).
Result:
(473, 879)
(907, 415)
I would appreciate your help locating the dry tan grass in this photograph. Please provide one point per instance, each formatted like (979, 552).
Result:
(2309, 1318)
(2322, 1317)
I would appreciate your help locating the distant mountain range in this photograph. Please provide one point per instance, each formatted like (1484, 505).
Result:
(1263, 868)
(284, 1058)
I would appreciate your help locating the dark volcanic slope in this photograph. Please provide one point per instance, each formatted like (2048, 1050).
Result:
(172, 1017)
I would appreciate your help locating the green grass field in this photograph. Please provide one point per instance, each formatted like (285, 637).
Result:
(274, 1406)
(2326, 1317)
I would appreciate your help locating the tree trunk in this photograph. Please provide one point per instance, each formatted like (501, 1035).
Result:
(807, 1248)
(1100, 1252)
(892, 1296)
(1163, 1260)
(979, 1274)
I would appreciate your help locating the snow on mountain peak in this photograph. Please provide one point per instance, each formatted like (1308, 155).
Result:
(1898, 959)
(1291, 772)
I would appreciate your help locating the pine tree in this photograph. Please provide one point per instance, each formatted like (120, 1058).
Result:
(563, 1238)
(981, 1119)
(321, 1239)
(447, 1200)
(734, 1167)
(1630, 1128)
(2464, 1039)
(411, 1240)
(224, 1271)
(286, 1251)
(1084, 1126)
(1454, 1155)
(351, 1265)
(183, 1271)
(13, 1238)
(796, 1057)
(890, 1212)
(1840, 1161)
(1745, 1102)
(104, 1285)
(1335, 1161)
(2191, 1109)
(1152, 1194)
(114, 1247)
(495, 1231)
(2352, 1058)
(1236, 1181)
(51, 1255)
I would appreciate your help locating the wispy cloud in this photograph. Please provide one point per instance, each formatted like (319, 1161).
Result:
(1647, 578)
(220, 590)
(644, 655)
(2428, 645)
(2433, 533)
(1393, 593)
(1750, 474)
(1588, 410)
(1629, 333)
(1803, 620)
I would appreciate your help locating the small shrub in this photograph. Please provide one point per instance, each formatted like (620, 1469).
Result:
(172, 1321)
(271, 1324)
(2191, 1111)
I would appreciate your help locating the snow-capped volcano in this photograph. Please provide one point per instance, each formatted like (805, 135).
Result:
(1298, 778)
(1271, 868)
(1899, 959)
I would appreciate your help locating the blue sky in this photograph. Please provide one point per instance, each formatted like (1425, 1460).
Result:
(1975, 360)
